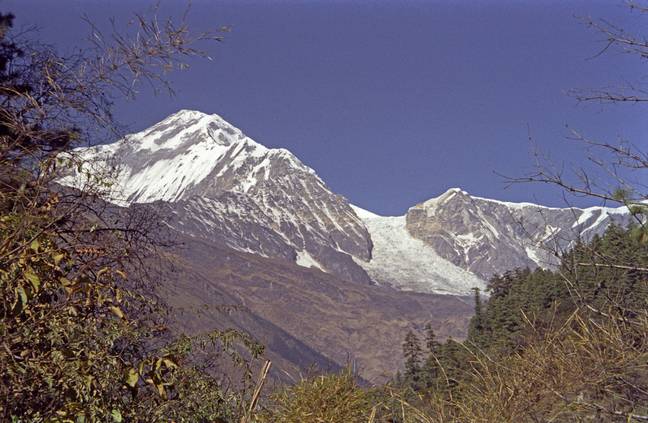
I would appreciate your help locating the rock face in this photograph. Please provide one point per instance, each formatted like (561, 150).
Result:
(488, 236)
(224, 186)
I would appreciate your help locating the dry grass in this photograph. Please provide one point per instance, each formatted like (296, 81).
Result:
(333, 398)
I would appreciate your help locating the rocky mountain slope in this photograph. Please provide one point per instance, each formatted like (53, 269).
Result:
(455, 242)
(304, 316)
(399, 259)
(488, 236)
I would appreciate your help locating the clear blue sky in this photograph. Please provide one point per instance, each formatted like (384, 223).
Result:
(392, 102)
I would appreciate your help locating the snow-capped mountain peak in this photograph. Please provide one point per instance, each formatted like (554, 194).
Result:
(169, 160)
(452, 194)
(224, 186)
(456, 241)
(185, 126)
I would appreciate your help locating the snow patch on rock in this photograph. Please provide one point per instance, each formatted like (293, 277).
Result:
(304, 259)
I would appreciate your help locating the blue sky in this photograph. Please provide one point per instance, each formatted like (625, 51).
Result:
(392, 102)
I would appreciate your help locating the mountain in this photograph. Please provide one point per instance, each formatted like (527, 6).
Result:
(224, 187)
(399, 259)
(455, 242)
(313, 277)
(488, 237)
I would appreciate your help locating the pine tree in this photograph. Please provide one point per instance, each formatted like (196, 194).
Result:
(431, 343)
(452, 358)
(412, 353)
(476, 331)
(430, 370)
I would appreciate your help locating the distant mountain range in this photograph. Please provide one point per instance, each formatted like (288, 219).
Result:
(225, 187)
(237, 198)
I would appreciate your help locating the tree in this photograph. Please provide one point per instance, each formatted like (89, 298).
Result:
(431, 342)
(476, 331)
(568, 344)
(412, 353)
(82, 338)
(622, 163)
(430, 368)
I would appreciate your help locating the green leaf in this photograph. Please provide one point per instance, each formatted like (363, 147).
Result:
(33, 279)
(116, 416)
(22, 294)
(58, 258)
(131, 378)
(169, 363)
(35, 245)
(621, 194)
(161, 390)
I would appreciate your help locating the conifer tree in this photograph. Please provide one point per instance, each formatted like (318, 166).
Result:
(430, 370)
(412, 353)
(477, 324)
(451, 359)
(431, 342)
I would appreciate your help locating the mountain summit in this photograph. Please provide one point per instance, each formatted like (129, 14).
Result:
(171, 159)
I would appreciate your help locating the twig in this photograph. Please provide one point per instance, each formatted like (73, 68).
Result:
(257, 391)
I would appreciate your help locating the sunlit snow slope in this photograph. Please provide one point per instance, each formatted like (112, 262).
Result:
(400, 260)
(169, 160)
